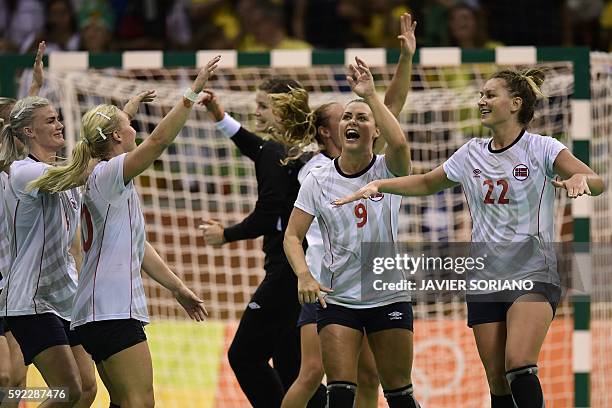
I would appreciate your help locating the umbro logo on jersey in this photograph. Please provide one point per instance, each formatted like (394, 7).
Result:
(476, 173)
(377, 197)
(254, 305)
(521, 172)
(395, 315)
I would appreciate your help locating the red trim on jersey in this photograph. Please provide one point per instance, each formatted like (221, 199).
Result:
(131, 253)
(539, 207)
(470, 211)
(93, 291)
(330, 251)
(42, 253)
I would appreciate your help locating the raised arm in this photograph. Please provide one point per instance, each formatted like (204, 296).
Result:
(419, 185)
(578, 178)
(309, 290)
(156, 268)
(37, 72)
(139, 159)
(398, 153)
(395, 97)
(131, 107)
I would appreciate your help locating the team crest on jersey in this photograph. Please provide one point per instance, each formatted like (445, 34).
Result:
(476, 173)
(377, 197)
(521, 172)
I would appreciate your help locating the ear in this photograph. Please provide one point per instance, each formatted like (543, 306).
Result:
(29, 132)
(517, 103)
(377, 133)
(116, 137)
(323, 131)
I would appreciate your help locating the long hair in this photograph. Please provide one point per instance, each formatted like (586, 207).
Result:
(13, 140)
(97, 127)
(526, 85)
(296, 122)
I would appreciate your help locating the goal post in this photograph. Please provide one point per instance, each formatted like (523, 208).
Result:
(202, 175)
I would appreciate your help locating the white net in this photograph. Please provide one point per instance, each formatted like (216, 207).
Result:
(203, 176)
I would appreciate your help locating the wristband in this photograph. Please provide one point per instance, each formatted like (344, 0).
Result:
(190, 95)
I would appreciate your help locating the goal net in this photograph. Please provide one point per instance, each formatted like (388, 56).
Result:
(203, 176)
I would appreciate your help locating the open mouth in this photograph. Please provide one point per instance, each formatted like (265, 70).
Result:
(351, 134)
(485, 111)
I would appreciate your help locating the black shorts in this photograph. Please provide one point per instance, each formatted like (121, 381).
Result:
(3, 326)
(393, 316)
(487, 308)
(36, 333)
(308, 314)
(105, 338)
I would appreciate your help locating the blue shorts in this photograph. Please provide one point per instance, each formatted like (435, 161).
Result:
(105, 338)
(493, 307)
(36, 333)
(393, 316)
(308, 314)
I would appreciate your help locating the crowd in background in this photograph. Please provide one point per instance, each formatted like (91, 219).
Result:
(260, 25)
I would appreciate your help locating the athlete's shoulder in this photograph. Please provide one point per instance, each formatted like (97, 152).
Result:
(317, 161)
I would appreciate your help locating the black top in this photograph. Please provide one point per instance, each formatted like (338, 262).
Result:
(277, 189)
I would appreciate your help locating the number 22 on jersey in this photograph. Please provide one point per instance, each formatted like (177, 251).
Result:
(490, 198)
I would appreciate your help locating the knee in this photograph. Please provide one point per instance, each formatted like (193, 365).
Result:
(135, 401)
(89, 391)
(75, 391)
(312, 375)
(5, 379)
(496, 377)
(367, 378)
(514, 362)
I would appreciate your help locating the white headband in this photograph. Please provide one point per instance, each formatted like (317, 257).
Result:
(20, 112)
(99, 129)
(103, 115)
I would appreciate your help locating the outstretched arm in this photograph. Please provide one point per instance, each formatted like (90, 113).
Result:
(37, 72)
(309, 290)
(362, 83)
(578, 178)
(156, 268)
(419, 185)
(139, 159)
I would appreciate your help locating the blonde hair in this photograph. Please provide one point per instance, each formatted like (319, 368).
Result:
(20, 117)
(296, 128)
(526, 85)
(97, 127)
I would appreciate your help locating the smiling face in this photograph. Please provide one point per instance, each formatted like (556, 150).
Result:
(264, 115)
(496, 105)
(46, 129)
(357, 128)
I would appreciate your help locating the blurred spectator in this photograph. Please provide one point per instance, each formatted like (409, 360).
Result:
(264, 28)
(141, 24)
(606, 27)
(524, 22)
(375, 21)
(60, 31)
(20, 19)
(581, 22)
(466, 28)
(96, 21)
(214, 24)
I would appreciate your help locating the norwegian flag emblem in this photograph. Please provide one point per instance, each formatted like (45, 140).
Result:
(521, 172)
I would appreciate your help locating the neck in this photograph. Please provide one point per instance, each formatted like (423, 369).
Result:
(42, 154)
(505, 133)
(354, 162)
(331, 149)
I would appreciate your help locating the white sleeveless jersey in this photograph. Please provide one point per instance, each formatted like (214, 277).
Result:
(42, 277)
(113, 235)
(315, 250)
(511, 201)
(5, 255)
(345, 228)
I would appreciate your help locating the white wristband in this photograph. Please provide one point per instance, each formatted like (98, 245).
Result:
(228, 126)
(190, 95)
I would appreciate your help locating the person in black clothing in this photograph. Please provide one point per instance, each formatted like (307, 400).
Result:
(268, 326)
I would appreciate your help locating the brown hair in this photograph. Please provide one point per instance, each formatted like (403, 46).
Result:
(526, 85)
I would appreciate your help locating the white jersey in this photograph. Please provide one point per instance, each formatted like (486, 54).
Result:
(511, 201)
(5, 255)
(113, 234)
(315, 250)
(345, 228)
(42, 277)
